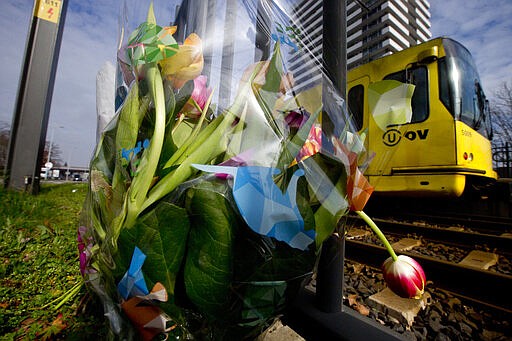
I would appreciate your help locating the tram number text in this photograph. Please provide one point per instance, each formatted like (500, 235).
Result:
(466, 133)
(393, 136)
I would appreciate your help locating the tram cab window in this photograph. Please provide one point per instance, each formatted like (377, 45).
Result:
(460, 89)
(418, 77)
(444, 85)
(356, 104)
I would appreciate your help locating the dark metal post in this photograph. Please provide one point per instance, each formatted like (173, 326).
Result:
(228, 51)
(30, 121)
(509, 160)
(262, 42)
(209, 34)
(329, 284)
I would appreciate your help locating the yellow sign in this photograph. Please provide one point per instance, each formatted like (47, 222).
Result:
(48, 10)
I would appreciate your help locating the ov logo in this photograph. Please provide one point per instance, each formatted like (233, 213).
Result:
(393, 136)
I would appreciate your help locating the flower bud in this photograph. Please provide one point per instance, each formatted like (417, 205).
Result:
(405, 277)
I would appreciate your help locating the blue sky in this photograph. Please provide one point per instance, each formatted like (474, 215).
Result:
(91, 34)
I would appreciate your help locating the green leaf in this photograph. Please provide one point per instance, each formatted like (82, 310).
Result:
(168, 147)
(264, 259)
(209, 265)
(162, 235)
(127, 128)
(269, 92)
(182, 96)
(151, 14)
(275, 71)
(326, 220)
(182, 132)
(129, 121)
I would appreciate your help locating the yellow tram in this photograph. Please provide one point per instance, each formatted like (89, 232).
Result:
(426, 119)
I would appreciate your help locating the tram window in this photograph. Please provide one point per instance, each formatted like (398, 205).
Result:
(418, 77)
(356, 104)
(444, 85)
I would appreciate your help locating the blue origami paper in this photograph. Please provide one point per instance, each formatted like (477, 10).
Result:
(133, 283)
(264, 207)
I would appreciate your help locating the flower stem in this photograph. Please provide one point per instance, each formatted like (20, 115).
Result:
(142, 181)
(379, 233)
(214, 145)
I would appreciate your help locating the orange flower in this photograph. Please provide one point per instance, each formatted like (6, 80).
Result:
(358, 187)
(186, 64)
(312, 144)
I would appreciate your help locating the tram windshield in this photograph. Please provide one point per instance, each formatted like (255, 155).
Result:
(460, 88)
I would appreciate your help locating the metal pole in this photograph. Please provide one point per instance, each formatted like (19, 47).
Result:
(209, 34)
(329, 284)
(262, 40)
(509, 160)
(228, 51)
(30, 120)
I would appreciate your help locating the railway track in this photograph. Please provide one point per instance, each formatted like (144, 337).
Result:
(456, 235)
(480, 286)
(471, 223)
(484, 287)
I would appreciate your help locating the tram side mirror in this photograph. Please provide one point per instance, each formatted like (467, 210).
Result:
(429, 55)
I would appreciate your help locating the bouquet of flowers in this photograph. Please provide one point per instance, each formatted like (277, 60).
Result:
(201, 221)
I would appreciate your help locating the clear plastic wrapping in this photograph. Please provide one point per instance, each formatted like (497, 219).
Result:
(212, 189)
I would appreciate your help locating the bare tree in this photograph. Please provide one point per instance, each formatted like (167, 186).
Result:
(55, 156)
(501, 112)
(5, 132)
(4, 143)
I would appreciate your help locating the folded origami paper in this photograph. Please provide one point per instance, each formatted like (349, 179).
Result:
(133, 283)
(264, 207)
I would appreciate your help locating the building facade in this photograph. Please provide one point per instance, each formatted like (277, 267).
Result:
(375, 28)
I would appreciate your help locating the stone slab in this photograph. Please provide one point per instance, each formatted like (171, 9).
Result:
(403, 309)
(279, 332)
(356, 233)
(480, 259)
(406, 244)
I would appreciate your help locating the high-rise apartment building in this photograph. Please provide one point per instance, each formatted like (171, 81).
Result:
(375, 28)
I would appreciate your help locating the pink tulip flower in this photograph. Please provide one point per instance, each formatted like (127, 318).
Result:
(404, 276)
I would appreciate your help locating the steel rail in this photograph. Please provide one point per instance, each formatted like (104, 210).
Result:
(480, 285)
(480, 223)
(445, 235)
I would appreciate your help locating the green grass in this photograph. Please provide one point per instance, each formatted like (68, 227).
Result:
(39, 264)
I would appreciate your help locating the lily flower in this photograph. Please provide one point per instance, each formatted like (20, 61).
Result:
(186, 64)
(404, 276)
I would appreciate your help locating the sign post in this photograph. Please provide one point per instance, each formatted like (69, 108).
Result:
(31, 113)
